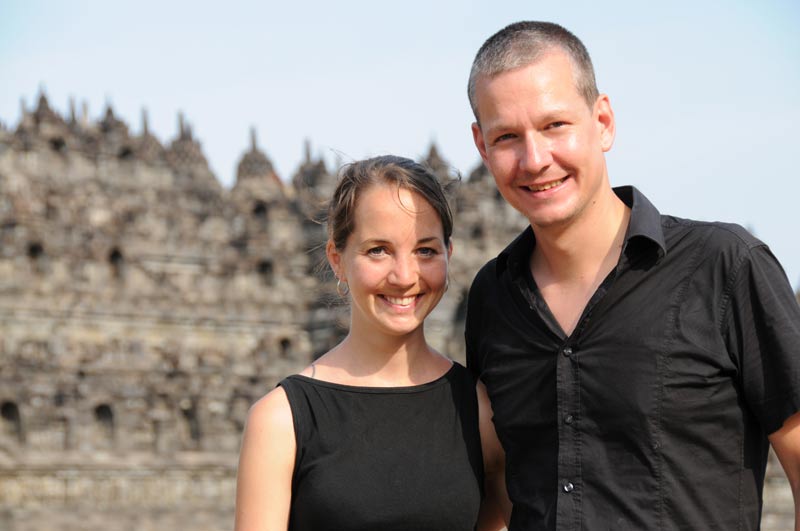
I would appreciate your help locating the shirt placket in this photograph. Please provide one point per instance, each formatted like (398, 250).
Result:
(569, 471)
(568, 390)
(568, 393)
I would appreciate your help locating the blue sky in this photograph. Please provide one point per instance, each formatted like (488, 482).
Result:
(705, 92)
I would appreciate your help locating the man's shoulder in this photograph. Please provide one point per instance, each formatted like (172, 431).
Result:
(713, 235)
(486, 275)
(515, 252)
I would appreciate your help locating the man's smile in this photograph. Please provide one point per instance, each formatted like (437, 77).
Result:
(544, 186)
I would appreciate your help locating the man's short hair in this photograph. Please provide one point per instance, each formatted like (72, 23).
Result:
(522, 43)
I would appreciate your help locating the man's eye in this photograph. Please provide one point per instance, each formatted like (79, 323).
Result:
(506, 136)
(555, 125)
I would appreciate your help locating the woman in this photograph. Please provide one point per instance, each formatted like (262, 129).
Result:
(382, 432)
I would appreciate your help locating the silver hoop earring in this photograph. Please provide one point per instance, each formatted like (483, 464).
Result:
(342, 290)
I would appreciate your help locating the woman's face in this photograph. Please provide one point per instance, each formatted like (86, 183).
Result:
(395, 261)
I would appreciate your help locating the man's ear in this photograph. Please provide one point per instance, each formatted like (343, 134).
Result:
(604, 115)
(477, 137)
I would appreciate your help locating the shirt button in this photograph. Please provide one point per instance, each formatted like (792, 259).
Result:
(568, 487)
(569, 419)
(567, 351)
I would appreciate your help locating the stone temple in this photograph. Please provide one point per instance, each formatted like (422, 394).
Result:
(144, 308)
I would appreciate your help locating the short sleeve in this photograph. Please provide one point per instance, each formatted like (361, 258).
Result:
(762, 332)
(476, 303)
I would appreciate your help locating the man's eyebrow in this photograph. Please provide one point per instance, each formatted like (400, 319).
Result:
(551, 115)
(554, 115)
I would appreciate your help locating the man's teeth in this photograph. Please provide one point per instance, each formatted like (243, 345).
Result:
(543, 187)
(401, 301)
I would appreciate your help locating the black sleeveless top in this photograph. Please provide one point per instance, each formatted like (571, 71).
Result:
(376, 458)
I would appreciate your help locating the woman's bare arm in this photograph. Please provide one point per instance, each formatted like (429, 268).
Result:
(496, 507)
(266, 464)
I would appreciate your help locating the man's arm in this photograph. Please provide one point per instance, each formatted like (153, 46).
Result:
(786, 443)
(763, 335)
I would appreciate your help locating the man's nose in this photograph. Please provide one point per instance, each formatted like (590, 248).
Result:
(536, 155)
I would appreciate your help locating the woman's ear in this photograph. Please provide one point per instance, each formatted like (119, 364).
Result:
(334, 259)
(450, 249)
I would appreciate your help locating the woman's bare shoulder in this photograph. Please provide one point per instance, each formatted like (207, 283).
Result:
(271, 412)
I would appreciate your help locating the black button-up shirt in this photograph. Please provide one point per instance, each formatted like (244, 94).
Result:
(654, 412)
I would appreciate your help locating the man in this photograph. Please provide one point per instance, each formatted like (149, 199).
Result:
(638, 365)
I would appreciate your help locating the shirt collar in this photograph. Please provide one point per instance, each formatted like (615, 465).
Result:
(644, 226)
(645, 222)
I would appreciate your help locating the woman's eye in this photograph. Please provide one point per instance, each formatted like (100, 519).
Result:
(427, 251)
(376, 251)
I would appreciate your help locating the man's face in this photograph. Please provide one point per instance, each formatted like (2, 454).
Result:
(541, 140)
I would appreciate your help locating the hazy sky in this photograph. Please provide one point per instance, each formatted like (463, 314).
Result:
(706, 93)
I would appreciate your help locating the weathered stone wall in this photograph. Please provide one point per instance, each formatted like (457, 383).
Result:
(143, 308)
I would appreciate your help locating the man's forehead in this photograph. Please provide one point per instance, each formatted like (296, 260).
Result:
(554, 64)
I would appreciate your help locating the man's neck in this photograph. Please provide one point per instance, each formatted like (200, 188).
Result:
(587, 246)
